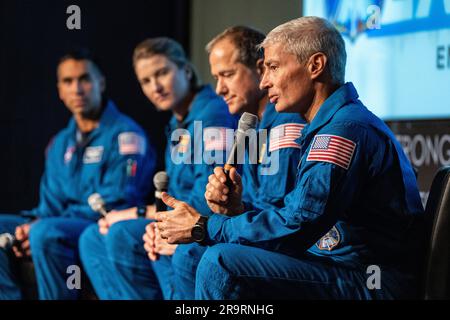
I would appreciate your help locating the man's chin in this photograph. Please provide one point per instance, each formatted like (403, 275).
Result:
(281, 107)
(236, 109)
(163, 107)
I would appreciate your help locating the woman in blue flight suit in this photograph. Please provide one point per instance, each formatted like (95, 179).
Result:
(117, 263)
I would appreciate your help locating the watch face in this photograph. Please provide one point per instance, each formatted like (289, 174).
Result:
(142, 211)
(197, 233)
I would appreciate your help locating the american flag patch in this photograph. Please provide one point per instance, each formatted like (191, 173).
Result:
(215, 138)
(284, 136)
(332, 149)
(131, 143)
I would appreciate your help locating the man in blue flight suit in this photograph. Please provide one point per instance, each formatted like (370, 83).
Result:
(355, 206)
(113, 253)
(237, 65)
(100, 151)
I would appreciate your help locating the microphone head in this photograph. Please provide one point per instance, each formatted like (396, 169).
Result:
(6, 240)
(96, 202)
(161, 180)
(247, 121)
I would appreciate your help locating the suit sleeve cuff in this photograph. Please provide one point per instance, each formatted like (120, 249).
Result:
(214, 227)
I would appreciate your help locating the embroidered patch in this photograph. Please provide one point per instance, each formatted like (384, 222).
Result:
(183, 143)
(330, 240)
(332, 149)
(262, 153)
(215, 138)
(93, 154)
(69, 154)
(284, 136)
(131, 143)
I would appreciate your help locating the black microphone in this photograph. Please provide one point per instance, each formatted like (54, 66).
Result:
(97, 204)
(246, 122)
(161, 182)
(7, 241)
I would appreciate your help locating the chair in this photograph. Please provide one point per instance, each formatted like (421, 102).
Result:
(437, 213)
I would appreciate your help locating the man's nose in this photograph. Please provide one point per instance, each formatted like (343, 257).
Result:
(264, 84)
(221, 89)
(79, 87)
(156, 86)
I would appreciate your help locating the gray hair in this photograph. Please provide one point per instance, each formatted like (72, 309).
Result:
(306, 36)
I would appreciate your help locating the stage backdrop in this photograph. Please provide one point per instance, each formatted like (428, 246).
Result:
(399, 60)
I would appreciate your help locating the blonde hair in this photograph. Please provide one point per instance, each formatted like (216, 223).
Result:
(172, 50)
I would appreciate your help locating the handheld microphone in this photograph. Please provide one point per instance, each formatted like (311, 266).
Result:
(161, 182)
(7, 241)
(246, 122)
(97, 204)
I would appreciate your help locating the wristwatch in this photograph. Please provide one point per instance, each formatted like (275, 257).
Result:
(141, 211)
(198, 231)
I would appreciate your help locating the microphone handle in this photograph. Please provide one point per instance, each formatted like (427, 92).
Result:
(228, 182)
(159, 204)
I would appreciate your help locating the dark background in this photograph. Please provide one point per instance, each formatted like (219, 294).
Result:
(33, 35)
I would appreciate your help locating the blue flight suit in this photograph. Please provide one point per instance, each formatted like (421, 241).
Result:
(117, 263)
(265, 183)
(355, 205)
(114, 160)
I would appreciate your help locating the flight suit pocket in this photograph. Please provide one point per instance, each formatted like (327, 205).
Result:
(315, 192)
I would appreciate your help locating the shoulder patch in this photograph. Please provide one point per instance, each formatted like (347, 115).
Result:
(284, 136)
(131, 143)
(215, 138)
(69, 154)
(330, 240)
(332, 149)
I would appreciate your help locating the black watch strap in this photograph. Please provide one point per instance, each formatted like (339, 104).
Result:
(141, 211)
(199, 231)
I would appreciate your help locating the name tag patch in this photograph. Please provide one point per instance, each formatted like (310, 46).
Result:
(93, 154)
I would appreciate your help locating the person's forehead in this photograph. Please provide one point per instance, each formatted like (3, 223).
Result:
(153, 62)
(277, 53)
(73, 67)
(225, 49)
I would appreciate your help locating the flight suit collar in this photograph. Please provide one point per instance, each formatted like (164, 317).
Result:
(197, 104)
(341, 97)
(109, 115)
(269, 116)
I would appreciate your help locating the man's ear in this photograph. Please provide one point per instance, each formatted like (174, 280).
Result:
(189, 72)
(260, 67)
(102, 84)
(316, 65)
(58, 87)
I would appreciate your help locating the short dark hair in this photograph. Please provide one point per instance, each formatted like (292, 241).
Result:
(246, 40)
(172, 50)
(82, 54)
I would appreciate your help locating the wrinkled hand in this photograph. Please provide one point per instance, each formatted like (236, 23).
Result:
(155, 245)
(22, 233)
(219, 197)
(176, 225)
(115, 216)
